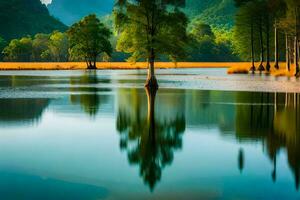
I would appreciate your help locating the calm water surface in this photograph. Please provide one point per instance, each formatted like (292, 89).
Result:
(101, 135)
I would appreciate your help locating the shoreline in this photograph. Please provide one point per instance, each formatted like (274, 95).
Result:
(5, 66)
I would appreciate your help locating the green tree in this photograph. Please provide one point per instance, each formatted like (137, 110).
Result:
(244, 31)
(88, 39)
(149, 29)
(19, 50)
(205, 46)
(293, 14)
(39, 45)
(58, 47)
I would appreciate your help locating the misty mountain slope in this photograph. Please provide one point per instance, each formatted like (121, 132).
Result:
(70, 11)
(214, 12)
(26, 17)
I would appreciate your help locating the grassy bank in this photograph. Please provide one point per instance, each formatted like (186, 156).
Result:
(244, 69)
(115, 65)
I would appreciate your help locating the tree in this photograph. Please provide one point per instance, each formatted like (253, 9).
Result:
(291, 26)
(277, 9)
(244, 31)
(207, 44)
(58, 47)
(200, 29)
(19, 50)
(39, 46)
(149, 29)
(88, 39)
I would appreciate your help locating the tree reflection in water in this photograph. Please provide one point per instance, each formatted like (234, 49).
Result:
(86, 92)
(274, 120)
(150, 140)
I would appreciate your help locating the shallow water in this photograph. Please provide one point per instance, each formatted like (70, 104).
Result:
(101, 135)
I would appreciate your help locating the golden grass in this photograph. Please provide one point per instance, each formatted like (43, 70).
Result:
(238, 70)
(232, 67)
(112, 65)
(283, 72)
(244, 68)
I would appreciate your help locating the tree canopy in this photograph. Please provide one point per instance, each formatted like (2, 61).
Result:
(89, 38)
(150, 29)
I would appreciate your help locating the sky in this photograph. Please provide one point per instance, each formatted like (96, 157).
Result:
(46, 1)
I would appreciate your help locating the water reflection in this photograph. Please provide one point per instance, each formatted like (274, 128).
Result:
(152, 126)
(274, 120)
(87, 89)
(21, 111)
(149, 139)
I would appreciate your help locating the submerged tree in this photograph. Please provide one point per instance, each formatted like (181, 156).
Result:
(88, 39)
(149, 29)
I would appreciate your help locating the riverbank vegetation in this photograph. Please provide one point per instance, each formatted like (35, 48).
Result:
(268, 30)
(262, 32)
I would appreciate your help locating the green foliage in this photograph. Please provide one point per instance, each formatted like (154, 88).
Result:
(218, 13)
(40, 45)
(19, 18)
(71, 11)
(149, 30)
(262, 16)
(88, 39)
(209, 44)
(58, 46)
(19, 50)
(43, 47)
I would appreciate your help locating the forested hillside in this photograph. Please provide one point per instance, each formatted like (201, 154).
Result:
(20, 18)
(214, 12)
(70, 11)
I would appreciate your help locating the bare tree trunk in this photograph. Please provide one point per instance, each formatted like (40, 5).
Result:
(296, 44)
(253, 68)
(276, 47)
(268, 65)
(296, 56)
(288, 57)
(151, 80)
(262, 57)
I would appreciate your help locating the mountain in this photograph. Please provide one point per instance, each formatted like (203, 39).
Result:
(215, 12)
(26, 17)
(70, 11)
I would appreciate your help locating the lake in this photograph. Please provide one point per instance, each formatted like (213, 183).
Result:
(101, 135)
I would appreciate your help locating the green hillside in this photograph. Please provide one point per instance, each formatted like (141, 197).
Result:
(20, 18)
(213, 12)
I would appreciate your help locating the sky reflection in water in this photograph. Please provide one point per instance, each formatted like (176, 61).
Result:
(81, 136)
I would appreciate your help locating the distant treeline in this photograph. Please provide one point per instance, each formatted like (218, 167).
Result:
(263, 30)
(206, 44)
